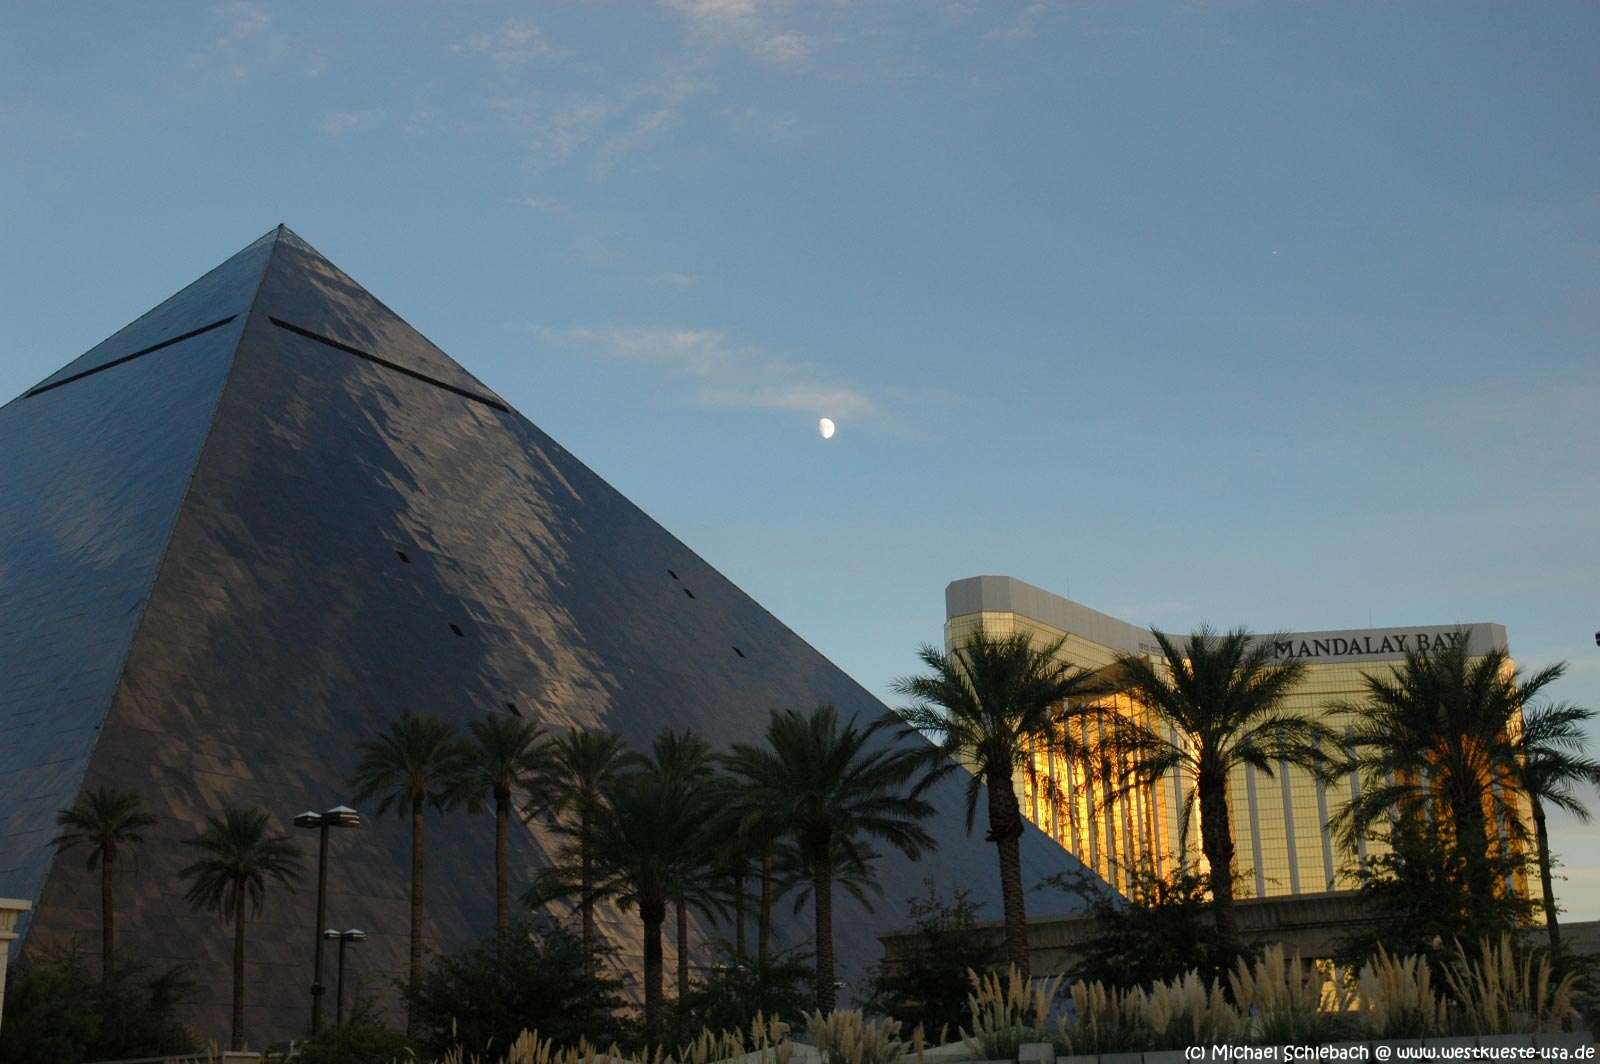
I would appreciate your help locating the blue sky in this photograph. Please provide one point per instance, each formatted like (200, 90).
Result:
(1276, 314)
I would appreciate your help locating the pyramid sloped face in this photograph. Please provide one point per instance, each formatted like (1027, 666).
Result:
(308, 292)
(91, 481)
(372, 530)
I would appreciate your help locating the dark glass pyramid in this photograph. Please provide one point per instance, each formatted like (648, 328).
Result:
(241, 534)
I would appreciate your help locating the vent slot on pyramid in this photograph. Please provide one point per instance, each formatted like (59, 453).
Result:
(386, 364)
(191, 334)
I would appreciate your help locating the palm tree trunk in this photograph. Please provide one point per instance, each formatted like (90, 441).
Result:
(1216, 841)
(108, 917)
(764, 917)
(822, 897)
(1542, 837)
(1466, 809)
(414, 974)
(1005, 829)
(683, 967)
(238, 969)
(738, 913)
(586, 885)
(1472, 836)
(653, 916)
(502, 904)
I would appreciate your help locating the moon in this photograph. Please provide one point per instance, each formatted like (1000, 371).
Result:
(825, 426)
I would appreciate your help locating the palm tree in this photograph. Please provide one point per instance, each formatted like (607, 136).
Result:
(585, 762)
(242, 854)
(684, 758)
(1439, 731)
(741, 841)
(1222, 696)
(833, 786)
(108, 822)
(985, 706)
(1551, 760)
(419, 761)
(746, 835)
(508, 757)
(635, 838)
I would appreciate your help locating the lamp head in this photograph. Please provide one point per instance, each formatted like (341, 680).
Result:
(342, 816)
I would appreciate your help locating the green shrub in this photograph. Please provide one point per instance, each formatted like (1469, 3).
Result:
(537, 979)
(732, 993)
(58, 1011)
(362, 1039)
(927, 986)
(1163, 930)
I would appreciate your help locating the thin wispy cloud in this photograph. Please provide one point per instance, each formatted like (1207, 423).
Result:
(720, 372)
(515, 41)
(242, 37)
(743, 24)
(595, 130)
(240, 19)
(643, 128)
(232, 25)
(343, 123)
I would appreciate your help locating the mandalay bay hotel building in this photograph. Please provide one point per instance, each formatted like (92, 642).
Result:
(1280, 823)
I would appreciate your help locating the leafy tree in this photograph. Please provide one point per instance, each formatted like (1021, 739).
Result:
(834, 790)
(1222, 695)
(1551, 763)
(417, 762)
(363, 1038)
(57, 1011)
(538, 977)
(241, 856)
(51, 1011)
(1416, 894)
(508, 757)
(927, 983)
(985, 705)
(585, 764)
(1436, 740)
(1164, 928)
(732, 993)
(108, 823)
(139, 1013)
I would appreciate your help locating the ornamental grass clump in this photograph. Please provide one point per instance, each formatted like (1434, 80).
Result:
(1101, 1020)
(1503, 993)
(1006, 1015)
(1395, 998)
(846, 1036)
(1188, 1011)
(1280, 1000)
(767, 1043)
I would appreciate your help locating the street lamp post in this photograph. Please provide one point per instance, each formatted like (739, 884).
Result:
(340, 816)
(355, 934)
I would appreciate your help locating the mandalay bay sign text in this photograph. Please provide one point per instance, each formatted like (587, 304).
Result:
(1375, 644)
